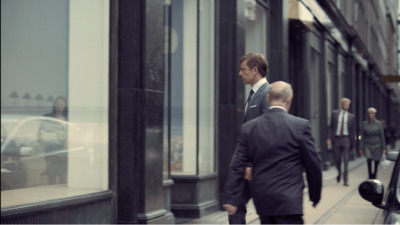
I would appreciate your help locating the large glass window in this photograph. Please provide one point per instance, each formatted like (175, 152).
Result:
(189, 87)
(54, 99)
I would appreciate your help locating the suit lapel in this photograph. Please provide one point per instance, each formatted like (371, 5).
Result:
(257, 94)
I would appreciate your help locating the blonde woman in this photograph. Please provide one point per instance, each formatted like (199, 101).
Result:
(372, 144)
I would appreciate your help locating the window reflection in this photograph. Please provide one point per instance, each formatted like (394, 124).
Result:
(54, 99)
(189, 112)
(35, 153)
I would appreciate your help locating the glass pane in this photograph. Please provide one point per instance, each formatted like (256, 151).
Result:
(256, 29)
(183, 87)
(206, 87)
(54, 99)
(256, 32)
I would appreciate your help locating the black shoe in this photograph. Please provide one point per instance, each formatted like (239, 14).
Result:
(338, 178)
(346, 184)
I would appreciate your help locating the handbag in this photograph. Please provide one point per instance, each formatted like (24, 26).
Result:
(384, 164)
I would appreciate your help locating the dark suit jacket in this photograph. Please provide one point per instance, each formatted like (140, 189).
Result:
(258, 104)
(351, 126)
(280, 147)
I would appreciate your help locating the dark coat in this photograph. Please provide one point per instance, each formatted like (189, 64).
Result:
(280, 147)
(258, 104)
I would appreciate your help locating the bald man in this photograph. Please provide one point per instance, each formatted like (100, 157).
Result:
(280, 147)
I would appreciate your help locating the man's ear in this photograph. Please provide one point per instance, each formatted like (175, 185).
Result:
(289, 102)
(255, 69)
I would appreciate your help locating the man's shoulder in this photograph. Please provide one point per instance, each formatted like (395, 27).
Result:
(289, 117)
(264, 87)
(298, 119)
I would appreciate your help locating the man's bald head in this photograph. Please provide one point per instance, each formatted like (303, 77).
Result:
(280, 94)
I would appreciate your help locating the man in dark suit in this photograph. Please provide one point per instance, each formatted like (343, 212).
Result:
(253, 71)
(280, 148)
(341, 136)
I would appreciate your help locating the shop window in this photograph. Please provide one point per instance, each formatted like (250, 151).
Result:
(54, 99)
(189, 103)
(256, 31)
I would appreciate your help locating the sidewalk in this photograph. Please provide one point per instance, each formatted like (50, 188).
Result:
(329, 178)
(221, 217)
(332, 173)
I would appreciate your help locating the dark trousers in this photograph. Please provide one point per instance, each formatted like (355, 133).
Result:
(288, 219)
(240, 216)
(372, 172)
(341, 147)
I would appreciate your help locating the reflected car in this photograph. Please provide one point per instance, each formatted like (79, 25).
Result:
(35, 152)
(388, 200)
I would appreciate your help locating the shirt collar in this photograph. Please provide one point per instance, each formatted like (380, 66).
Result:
(259, 84)
(277, 107)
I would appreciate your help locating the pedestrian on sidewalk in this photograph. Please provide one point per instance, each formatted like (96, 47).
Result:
(280, 148)
(341, 136)
(372, 144)
(253, 71)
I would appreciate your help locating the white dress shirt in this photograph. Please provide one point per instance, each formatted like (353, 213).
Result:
(345, 130)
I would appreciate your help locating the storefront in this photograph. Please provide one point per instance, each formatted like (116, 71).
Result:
(120, 111)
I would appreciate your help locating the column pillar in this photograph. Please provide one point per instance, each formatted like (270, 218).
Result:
(230, 46)
(140, 112)
(278, 52)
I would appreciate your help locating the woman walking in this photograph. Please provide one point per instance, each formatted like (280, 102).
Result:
(372, 142)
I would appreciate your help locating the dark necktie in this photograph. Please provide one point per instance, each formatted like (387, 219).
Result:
(342, 127)
(249, 98)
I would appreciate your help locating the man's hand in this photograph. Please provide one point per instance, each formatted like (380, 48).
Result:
(314, 205)
(328, 142)
(247, 173)
(231, 209)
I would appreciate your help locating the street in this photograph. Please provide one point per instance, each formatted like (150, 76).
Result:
(339, 204)
(344, 205)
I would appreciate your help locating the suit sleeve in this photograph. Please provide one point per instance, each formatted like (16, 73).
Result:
(353, 133)
(330, 128)
(312, 164)
(235, 182)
